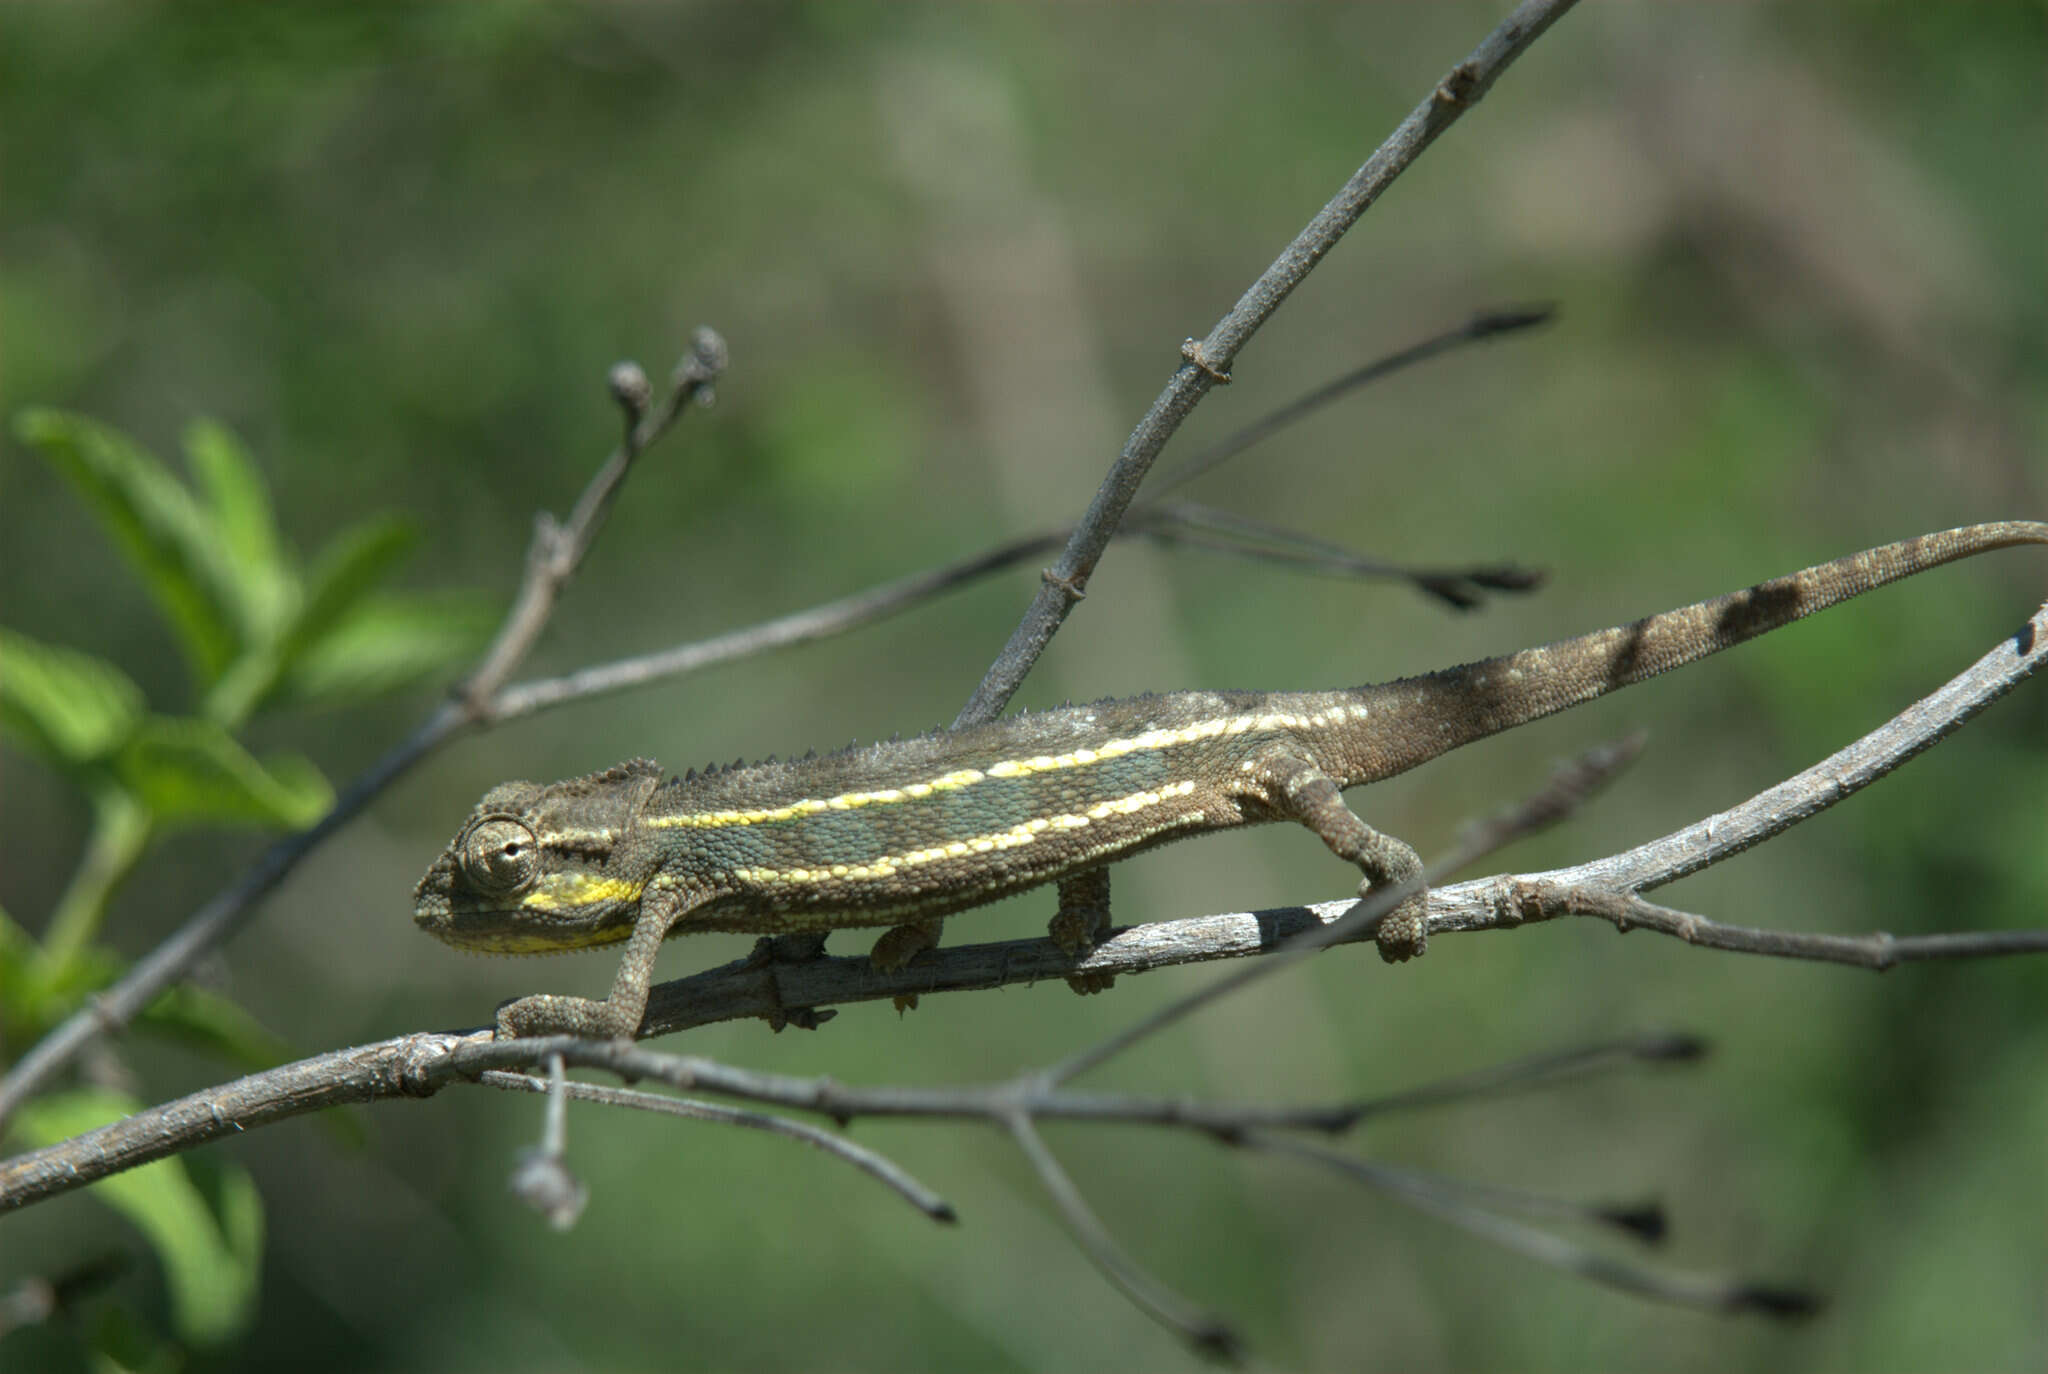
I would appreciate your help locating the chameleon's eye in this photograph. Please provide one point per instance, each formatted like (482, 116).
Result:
(499, 855)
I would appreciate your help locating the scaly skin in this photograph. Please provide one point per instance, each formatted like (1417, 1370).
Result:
(906, 833)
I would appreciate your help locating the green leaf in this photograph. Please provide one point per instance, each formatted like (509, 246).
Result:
(20, 988)
(187, 769)
(37, 992)
(126, 1344)
(212, 1024)
(70, 707)
(153, 519)
(389, 642)
(346, 572)
(204, 1220)
(240, 505)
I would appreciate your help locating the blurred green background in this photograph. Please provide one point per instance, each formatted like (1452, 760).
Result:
(1798, 252)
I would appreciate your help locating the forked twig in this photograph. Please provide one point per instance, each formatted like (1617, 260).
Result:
(1208, 361)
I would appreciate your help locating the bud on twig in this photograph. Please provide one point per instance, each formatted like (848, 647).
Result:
(630, 388)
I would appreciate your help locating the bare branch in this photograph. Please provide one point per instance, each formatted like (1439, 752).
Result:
(420, 1065)
(1208, 360)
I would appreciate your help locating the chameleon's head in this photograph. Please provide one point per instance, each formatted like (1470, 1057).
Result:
(539, 870)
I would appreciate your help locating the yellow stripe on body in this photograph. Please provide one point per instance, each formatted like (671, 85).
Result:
(888, 865)
(846, 801)
(1147, 742)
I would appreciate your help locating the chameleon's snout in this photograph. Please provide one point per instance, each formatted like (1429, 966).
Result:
(432, 899)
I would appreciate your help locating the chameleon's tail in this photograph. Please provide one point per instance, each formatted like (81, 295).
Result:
(1417, 719)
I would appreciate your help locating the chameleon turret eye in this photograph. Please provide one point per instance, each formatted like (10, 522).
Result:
(499, 855)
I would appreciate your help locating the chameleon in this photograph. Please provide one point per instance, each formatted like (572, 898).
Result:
(905, 833)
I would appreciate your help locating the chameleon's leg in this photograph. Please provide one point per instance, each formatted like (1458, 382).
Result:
(899, 945)
(1082, 918)
(795, 947)
(1303, 792)
(617, 1016)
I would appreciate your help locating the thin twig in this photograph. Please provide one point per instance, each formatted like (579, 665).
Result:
(1708, 1292)
(420, 1065)
(1208, 360)
(558, 550)
(1878, 950)
(874, 1164)
(1539, 1071)
(1486, 324)
(1206, 1333)
(541, 1177)
(1194, 525)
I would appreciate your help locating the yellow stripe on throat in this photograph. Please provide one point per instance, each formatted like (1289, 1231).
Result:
(567, 890)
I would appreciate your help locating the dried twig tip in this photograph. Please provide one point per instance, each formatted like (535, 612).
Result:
(1643, 1220)
(705, 361)
(543, 1182)
(1676, 1046)
(1786, 1304)
(1511, 317)
(630, 388)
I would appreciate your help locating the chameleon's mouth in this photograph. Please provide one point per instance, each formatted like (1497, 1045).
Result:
(509, 932)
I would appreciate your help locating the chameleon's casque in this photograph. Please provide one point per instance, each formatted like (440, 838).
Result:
(905, 833)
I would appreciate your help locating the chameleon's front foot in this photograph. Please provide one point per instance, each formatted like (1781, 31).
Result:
(1080, 923)
(548, 1014)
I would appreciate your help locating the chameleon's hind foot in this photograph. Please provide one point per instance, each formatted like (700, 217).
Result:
(1403, 933)
(796, 947)
(898, 946)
